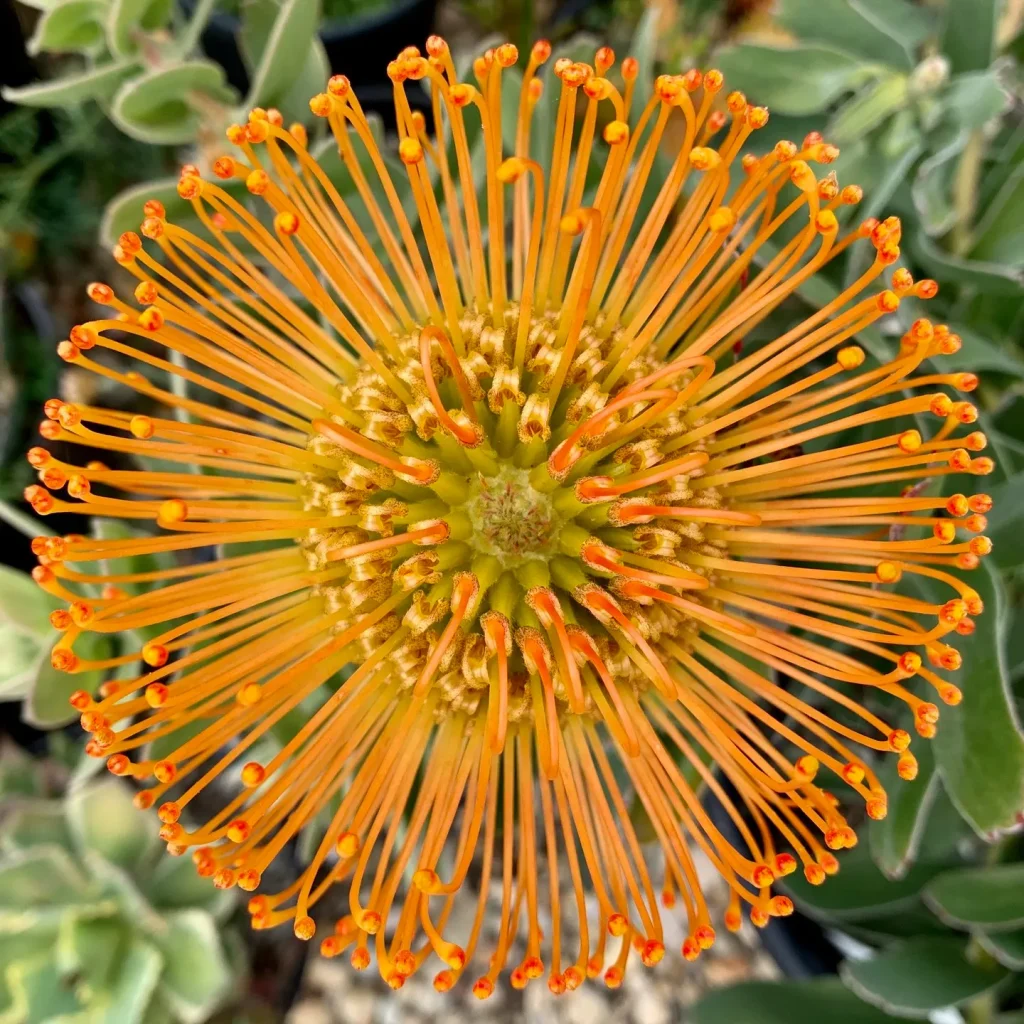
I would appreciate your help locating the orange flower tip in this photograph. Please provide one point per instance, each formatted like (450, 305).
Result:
(573, 978)
(238, 831)
(80, 700)
(410, 151)
(425, 879)
(759, 918)
(168, 812)
(41, 574)
(286, 223)
(613, 977)
(518, 979)
(927, 712)
(146, 293)
(983, 466)
(906, 767)
(304, 928)
(556, 984)
(572, 224)
(825, 222)
(257, 182)
(780, 906)
(249, 694)
(69, 352)
(118, 764)
(953, 611)
(851, 195)
(704, 159)
(926, 289)
(532, 967)
(320, 106)
(257, 905)
(615, 133)
(171, 831)
(253, 773)
(511, 170)
(888, 301)
(370, 922)
(668, 899)
(899, 740)
(506, 54)
(950, 694)
(156, 693)
(360, 958)
(348, 846)
(850, 357)
(483, 988)
(165, 772)
(762, 876)
(829, 863)
(876, 808)
(63, 659)
(224, 167)
(853, 773)
(785, 864)
(722, 220)
(173, 511)
(733, 919)
(331, 947)
(909, 441)
(455, 957)
(690, 949)
(652, 953)
(443, 981)
(297, 131)
(143, 800)
(155, 655)
(617, 925)
(404, 962)
(909, 664)
(814, 873)
(141, 427)
(190, 187)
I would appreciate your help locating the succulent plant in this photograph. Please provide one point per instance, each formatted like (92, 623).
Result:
(141, 63)
(96, 926)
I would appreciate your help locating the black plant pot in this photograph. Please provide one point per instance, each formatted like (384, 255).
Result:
(360, 48)
(799, 946)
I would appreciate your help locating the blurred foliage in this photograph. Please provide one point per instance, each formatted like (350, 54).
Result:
(138, 62)
(96, 925)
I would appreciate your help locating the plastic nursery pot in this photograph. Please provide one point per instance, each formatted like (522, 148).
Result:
(799, 946)
(359, 47)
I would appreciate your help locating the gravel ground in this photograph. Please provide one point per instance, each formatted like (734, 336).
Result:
(333, 993)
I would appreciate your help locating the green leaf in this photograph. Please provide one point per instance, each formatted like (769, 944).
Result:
(197, 976)
(39, 992)
(46, 706)
(103, 818)
(20, 775)
(979, 749)
(124, 213)
(35, 823)
(885, 30)
(1006, 522)
(785, 1002)
(162, 106)
(315, 70)
(868, 109)
(987, 276)
(975, 98)
(133, 988)
(998, 238)
(860, 890)
(24, 631)
(98, 83)
(969, 37)
(894, 841)
(44, 876)
(979, 355)
(174, 885)
(990, 897)
(89, 947)
(129, 18)
(917, 977)
(293, 33)
(799, 79)
(72, 25)
(643, 48)
(1006, 947)
(932, 187)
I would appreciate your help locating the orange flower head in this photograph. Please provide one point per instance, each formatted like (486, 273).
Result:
(515, 506)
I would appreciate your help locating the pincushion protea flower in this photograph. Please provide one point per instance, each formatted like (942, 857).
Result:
(509, 462)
